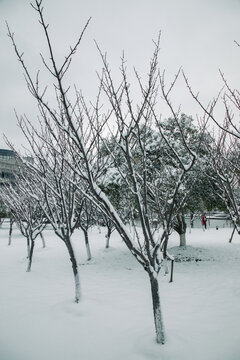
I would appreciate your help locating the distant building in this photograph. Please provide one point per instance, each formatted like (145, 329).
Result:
(9, 165)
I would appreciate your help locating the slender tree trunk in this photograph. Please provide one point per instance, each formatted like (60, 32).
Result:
(164, 244)
(10, 232)
(171, 276)
(43, 240)
(157, 313)
(108, 237)
(89, 255)
(30, 257)
(191, 220)
(230, 240)
(75, 269)
(165, 263)
(28, 248)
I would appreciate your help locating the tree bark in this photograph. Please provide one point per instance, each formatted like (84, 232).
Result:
(43, 240)
(30, 257)
(75, 269)
(28, 248)
(89, 255)
(183, 239)
(171, 276)
(108, 238)
(165, 263)
(230, 240)
(157, 312)
(180, 227)
(10, 232)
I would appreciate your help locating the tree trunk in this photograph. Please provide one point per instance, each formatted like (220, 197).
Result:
(10, 232)
(164, 244)
(191, 220)
(30, 257)
(230, 240)
(171, 276)
(89, 255)
(75, 269)
(43, 240)
(28, 248)
(180, 227)
(108, 238)
(165, 263)
(183, 239)
(157, 313)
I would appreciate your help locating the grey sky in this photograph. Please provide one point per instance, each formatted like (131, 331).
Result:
(196, 34)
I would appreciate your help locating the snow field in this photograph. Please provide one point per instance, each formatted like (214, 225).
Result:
(113, 321)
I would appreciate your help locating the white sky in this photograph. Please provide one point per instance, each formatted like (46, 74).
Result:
(196, 34)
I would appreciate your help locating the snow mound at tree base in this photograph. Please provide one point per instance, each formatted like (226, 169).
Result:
(190, 253)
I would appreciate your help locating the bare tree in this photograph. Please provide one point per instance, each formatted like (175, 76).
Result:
(6, 213)
(226, 152)
(230, 102)
(3, 213)
(224, 159)
(25, 211)
(110, 228)
(11, 222)
(83, 126)
(86, 219)
(141, 179)
(53, 186)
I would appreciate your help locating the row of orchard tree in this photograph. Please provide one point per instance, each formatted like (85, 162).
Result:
(117, 157)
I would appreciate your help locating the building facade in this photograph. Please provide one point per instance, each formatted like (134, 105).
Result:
(9, 164)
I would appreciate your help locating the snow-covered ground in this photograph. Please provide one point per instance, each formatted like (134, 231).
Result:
(40, 321)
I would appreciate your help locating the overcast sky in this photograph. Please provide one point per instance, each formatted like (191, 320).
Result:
(196, 34)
